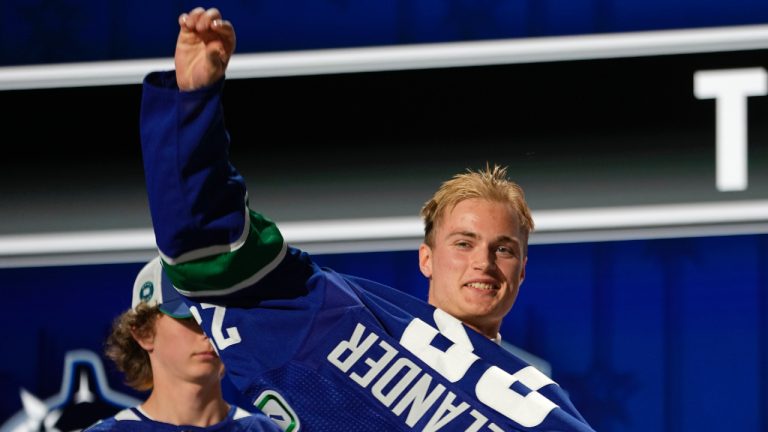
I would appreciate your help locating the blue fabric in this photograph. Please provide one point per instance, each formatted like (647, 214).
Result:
(133, 420)
(188, 171)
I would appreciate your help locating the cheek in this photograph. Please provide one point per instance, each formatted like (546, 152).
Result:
(175, 336)
(447, 264)
(514, 273)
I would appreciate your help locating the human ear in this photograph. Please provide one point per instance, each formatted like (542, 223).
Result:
(425, 260)
(146, 340)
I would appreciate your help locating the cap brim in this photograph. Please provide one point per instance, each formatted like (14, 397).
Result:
(175, 309)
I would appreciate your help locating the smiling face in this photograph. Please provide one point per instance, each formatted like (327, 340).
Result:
(476, 263)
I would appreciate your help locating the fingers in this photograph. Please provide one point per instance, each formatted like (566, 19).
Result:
(201, 20)
(188, 21)
(225, 30)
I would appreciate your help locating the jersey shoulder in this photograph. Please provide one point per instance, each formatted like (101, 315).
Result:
(125, 420)
(250, 421)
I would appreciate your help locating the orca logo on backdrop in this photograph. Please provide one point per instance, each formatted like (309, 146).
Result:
(84, 398)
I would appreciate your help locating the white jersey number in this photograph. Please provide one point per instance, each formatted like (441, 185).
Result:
(220, 340)
(494, 388)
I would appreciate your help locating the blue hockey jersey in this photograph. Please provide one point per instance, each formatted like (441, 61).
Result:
(135, 420)
(314, 349)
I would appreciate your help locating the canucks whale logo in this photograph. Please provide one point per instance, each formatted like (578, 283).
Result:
(84, 398)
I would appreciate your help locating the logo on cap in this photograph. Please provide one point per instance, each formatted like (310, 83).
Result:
(146, 291)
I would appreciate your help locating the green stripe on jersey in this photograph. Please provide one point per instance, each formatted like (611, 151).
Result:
(223, 271)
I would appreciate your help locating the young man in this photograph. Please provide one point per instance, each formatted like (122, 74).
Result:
(321, 350)
(160, 348)
(475, 249)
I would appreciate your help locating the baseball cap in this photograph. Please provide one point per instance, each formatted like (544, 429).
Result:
(154, 287)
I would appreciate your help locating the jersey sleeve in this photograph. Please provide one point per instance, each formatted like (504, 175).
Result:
(210, 242)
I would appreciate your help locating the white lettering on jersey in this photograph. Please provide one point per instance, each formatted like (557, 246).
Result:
(403, 386)
(355, 348)
(418, 399)
(388, 375)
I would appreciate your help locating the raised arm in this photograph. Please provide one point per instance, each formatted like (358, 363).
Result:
(196, 197)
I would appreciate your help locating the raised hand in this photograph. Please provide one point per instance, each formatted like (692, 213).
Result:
(203, 49)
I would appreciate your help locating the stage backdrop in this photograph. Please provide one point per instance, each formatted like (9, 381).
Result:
(653, 334)
(667, 335)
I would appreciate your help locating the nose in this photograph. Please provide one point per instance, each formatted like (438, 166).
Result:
(483, 259)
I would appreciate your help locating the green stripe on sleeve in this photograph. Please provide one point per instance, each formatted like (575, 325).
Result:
(221, 273)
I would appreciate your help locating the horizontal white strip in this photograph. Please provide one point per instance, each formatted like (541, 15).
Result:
(77, 242)
(79, 74)
(402, 57)
(652, 216)
(352, 229)
(552, 226)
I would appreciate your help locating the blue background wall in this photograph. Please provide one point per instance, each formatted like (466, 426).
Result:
(52, 31)
(646, 335)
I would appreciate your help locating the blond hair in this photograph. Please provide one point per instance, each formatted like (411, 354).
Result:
(490, 183)
(121, 346)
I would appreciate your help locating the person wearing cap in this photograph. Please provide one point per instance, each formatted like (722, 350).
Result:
(160, 348)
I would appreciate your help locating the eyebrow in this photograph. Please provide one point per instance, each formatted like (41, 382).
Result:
(470, 234)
